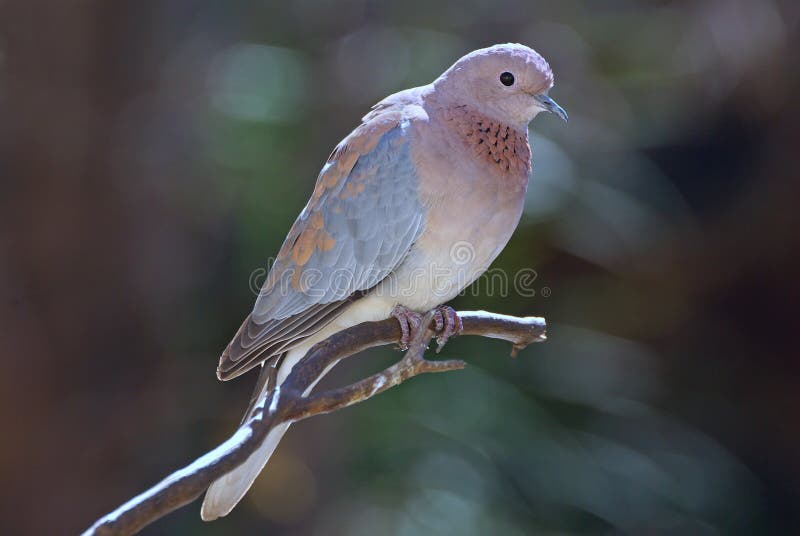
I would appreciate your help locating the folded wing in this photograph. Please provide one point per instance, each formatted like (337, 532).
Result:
(358, 226)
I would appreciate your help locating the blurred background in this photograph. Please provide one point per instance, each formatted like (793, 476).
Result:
(154, 155)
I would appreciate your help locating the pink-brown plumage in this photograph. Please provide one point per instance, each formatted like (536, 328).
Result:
(429, 170)
(498, 144)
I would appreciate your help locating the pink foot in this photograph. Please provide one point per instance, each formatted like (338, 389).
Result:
(409, 322)
(448, 324)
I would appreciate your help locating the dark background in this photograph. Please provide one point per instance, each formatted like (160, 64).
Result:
(154, 155)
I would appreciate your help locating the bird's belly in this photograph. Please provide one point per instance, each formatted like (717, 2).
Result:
(452, 252)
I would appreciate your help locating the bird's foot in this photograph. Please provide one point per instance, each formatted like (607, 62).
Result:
(448, 324)
(409, 323)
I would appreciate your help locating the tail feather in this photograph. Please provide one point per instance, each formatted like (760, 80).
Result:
(226, 492)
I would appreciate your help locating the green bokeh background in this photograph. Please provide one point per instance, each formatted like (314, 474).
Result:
(154, 154)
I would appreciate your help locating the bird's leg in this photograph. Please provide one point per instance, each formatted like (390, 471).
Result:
(409, 323)
(448, 324)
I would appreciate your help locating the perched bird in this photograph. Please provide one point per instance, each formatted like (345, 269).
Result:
(409, 209)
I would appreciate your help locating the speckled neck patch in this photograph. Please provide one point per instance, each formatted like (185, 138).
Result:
(494, 142)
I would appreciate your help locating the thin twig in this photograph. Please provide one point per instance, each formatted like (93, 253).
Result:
(285, 405)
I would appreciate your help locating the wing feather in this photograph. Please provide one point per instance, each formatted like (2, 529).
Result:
(358, 226)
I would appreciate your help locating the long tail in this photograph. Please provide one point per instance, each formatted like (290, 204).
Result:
(226, 492)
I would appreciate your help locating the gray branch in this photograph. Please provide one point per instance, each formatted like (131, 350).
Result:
(286, 405)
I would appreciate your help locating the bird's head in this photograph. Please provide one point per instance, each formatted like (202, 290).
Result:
(508, 83)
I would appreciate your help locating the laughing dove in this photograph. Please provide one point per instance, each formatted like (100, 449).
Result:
(409, 209)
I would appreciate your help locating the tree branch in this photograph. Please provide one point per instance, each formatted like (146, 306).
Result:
(286, 405)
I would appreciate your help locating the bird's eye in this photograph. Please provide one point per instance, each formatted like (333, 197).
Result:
(507, 79)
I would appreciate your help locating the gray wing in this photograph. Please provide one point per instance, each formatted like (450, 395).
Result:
(359, 225)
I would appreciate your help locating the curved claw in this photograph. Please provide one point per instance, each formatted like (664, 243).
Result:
(448, 324)
(409, 322)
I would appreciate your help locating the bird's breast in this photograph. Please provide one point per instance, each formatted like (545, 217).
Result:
(499, 150)
(472, 207)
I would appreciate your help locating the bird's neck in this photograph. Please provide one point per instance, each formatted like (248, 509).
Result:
(499, 146)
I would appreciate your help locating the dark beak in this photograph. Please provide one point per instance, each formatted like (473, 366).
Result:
(551, 106)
